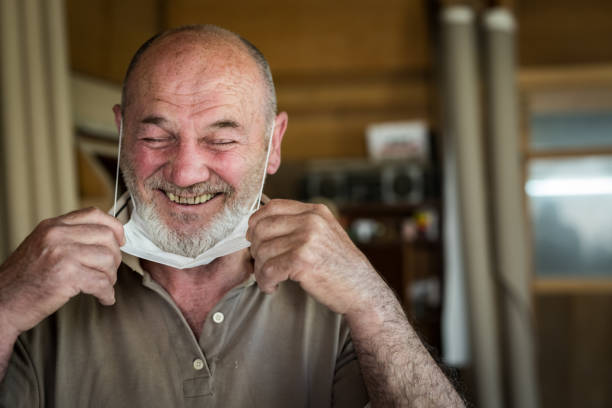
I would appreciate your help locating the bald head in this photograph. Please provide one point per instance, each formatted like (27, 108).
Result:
(215, 42)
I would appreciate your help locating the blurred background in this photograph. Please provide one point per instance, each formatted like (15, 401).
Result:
(466, 146)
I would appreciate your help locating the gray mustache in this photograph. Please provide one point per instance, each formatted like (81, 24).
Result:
(194, 189)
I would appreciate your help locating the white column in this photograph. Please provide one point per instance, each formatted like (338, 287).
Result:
(506, 185)
(462, 126)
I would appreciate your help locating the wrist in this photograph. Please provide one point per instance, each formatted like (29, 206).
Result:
(377, 305)
(9, 331)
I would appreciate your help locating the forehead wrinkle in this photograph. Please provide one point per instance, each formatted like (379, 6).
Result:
(196, 85)
(188, 58)
(198, 103)
(190, 73)
(211, 94)
(223, 47)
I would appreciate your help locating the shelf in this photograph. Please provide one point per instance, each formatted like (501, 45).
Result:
(552, 286)
(421, 244)
(381, 209)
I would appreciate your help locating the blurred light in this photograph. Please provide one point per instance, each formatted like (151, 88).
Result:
(569, 187)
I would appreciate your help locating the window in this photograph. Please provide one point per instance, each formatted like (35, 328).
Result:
(567, 148)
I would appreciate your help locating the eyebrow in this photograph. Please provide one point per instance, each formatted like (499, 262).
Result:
(154, 120)
(225, 123)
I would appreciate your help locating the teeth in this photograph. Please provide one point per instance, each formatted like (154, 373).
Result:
(189, 200)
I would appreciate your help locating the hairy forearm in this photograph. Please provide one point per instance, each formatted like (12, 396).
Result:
(6, 349)
(396, 367)
(8, 337)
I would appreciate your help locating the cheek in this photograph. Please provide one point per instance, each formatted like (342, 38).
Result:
(233, 167)
(147, 162)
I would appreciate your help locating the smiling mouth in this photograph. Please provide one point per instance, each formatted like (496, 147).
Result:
(190, 200)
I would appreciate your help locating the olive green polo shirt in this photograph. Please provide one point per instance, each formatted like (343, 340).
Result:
(255, 350)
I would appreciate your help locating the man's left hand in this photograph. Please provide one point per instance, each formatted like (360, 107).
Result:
(305, 243)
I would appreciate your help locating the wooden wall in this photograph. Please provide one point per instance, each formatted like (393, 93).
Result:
(338, 66)
(575, 357)
(564, 32)
(104, 34)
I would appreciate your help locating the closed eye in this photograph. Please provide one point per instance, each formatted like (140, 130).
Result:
(155, 139)
(221, 144)
(226, 123)
(157, 142)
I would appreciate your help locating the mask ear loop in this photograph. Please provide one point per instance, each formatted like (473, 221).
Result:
(257, 202)
(117, 172)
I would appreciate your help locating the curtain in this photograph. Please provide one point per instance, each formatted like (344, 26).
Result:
(37, 177)
(463, 137)
(510, 235)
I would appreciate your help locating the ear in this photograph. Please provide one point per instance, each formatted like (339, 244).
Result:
(117, 112)
(280, 125)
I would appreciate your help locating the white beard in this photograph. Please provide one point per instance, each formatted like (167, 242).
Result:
(190, 245)
(221, 225)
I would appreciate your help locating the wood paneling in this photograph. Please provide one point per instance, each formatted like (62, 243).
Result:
(574, 77)
(314, 37)
(338, 66)
(333, 135)
(328, 118)
(575, 358)
(561, 32)
(321, 36)
(354, 94)
(569, 286)
(104, 34)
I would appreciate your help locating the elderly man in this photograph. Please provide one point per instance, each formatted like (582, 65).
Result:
(299, 318)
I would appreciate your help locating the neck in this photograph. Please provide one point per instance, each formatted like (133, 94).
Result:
(197, 290)
(222, 274)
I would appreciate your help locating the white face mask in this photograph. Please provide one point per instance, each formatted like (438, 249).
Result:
(138, 243)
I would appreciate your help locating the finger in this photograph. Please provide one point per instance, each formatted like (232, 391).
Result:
(282, 220)
(96, 283)
(93, 215)
(275, 225)
(279, 207)
(261, 251)
(101, 259)
(268, 275)
(94, 234)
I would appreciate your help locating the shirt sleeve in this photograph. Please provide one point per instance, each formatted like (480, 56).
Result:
(349, 390)
(19, 388)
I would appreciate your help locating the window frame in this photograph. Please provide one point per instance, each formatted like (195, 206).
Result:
(556, 90)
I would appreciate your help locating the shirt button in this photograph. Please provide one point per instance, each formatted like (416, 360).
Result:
(198, 364)
(218, 317)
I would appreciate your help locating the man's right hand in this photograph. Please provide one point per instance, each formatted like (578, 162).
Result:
(63, 256)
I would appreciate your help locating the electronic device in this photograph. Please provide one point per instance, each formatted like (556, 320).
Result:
(363, 181)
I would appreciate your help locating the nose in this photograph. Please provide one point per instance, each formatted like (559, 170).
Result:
(188, 166)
